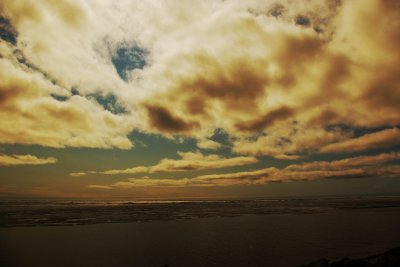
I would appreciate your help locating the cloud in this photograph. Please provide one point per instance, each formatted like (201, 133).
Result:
(30, 115)
(80, 174)
(100, 187)
(240, 88)
(163, 120)
(14, 160)
(189, 161)
(382, 138)
(349, 168)
(270, 118)
(134, 170)
(274, 75)
(287, 157)
(238, 178)
(145, 182)
(289, 142)
(197, 161)
(345, 163)
(208, 144)
(265, 73)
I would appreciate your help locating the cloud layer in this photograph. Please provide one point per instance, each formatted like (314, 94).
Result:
(286, 79)
(357, 167)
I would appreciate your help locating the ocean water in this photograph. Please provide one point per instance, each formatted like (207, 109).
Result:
(263, 232)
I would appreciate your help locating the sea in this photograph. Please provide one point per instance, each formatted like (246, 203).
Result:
(275, 232)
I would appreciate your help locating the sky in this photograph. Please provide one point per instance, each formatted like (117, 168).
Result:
(199, 99)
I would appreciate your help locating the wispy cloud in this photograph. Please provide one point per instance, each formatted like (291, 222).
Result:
(208, 144)
(13, 160)
(100, 187)
(346, 163)
(357, 167)
(189, 161)
(382, 138)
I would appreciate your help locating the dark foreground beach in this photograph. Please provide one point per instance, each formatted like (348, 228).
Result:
(390, 258)
(194, 234)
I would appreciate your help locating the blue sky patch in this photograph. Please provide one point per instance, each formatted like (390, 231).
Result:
(109, 102)
(7, 31)
(127, 59)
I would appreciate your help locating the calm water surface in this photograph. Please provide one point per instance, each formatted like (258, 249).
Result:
(244, 233)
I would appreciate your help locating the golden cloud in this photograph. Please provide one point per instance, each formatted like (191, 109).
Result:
(345, 163)
(382, 138)
(29, 115)
(357, 167)
(189, 161)
(287, 142)
(281, 71)
(13, 160)
(208, 144)
(100, 187)
(261, 74)
(197, 161)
